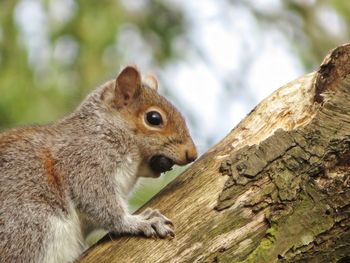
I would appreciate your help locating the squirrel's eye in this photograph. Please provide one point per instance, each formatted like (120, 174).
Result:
(154, 118)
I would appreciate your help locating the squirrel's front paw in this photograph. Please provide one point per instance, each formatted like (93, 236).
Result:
(151, 213)
(155, 223)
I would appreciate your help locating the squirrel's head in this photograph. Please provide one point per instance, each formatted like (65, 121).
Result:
(158, 128)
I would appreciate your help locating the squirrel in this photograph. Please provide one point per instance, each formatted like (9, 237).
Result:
(59, 181)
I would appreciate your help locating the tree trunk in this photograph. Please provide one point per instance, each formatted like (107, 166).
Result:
(276, 189)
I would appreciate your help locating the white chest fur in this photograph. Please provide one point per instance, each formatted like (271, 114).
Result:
(126, 176)
(64, 242)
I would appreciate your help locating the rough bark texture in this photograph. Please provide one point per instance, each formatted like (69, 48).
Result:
(276, 189)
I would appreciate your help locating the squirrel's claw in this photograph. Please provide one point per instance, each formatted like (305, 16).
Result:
(159, 223)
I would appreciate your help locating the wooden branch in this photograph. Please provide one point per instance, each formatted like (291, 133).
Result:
(276, 189)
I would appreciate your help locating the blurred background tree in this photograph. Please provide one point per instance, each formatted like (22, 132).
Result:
(215, 59)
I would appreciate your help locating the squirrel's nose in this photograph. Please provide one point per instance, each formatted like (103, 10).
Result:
(191, 153)
(188, 153)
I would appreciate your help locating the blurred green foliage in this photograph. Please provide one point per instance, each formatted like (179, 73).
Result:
(44, 75)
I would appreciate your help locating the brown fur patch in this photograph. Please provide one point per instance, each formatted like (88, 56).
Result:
(51, 173)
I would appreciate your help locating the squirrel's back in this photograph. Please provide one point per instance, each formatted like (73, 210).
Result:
(32, 200)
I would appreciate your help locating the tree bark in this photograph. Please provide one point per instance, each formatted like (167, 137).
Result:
(276, 189)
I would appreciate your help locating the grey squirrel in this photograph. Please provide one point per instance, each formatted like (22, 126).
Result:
(59, 181)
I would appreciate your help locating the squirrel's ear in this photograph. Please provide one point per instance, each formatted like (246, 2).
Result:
(127, 86)
(151, 81)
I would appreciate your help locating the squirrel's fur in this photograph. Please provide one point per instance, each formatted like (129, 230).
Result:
(59, 181)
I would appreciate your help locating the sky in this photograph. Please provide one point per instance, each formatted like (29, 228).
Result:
(228, 37)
